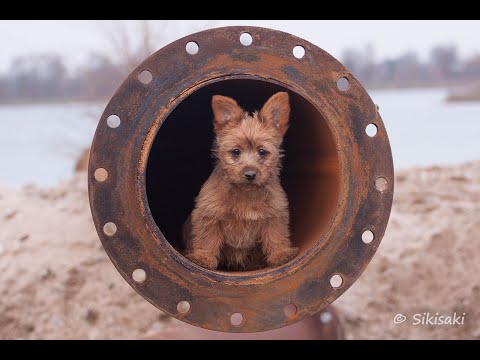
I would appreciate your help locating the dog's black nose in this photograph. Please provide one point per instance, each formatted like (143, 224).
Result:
(250, 175)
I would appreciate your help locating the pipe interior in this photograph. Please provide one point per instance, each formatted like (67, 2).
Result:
(180, 161)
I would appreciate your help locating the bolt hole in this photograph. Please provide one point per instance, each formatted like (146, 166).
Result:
(109, 229)
(145, 77)
(336, 281)
(192, 47)
(367, 237)
(246, 39)
(100, 174)
(343, 84)
(381, 184)
(289, 310)
(371, 130)
(183, 307)
(113, 121)
(139, 275)
(377, 107)
(236, 319)
(299, 51)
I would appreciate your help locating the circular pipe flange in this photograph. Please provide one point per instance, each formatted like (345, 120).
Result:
(247, 301)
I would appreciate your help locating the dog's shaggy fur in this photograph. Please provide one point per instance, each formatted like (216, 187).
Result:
(241, 221)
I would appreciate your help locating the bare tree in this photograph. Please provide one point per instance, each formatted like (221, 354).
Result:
(132, 41)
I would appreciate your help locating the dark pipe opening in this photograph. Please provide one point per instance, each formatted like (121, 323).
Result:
(180, 161)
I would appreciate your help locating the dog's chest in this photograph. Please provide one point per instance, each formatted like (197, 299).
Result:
(244, 220)
(242, 234)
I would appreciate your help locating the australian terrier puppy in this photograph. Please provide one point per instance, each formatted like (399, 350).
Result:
(241, 221)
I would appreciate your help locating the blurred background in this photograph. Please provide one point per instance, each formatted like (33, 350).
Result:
(55, 80)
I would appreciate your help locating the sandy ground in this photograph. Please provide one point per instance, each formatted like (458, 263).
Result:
(57, 282)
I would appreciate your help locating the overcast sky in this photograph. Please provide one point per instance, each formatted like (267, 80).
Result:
(75, 39)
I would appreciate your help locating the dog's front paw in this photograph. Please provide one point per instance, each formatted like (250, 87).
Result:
(208, 262)
(282, 256)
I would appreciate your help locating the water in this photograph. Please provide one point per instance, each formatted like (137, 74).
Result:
(425, 130)
(39, 144)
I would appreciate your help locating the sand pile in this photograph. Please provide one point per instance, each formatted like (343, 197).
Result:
(57, 282)
(428, 261)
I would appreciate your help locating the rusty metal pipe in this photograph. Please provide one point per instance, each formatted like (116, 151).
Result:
(151, 154)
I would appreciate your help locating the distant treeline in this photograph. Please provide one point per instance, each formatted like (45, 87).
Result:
(45, 76)
(443, 67)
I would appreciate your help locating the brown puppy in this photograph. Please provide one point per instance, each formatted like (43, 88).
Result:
(241, 221)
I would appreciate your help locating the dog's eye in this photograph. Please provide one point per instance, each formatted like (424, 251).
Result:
(236, 152)
(262, 152)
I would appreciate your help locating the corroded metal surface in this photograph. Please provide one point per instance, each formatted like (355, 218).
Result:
(261, 296)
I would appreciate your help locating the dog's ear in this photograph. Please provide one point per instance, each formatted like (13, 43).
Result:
(225, 111)
(276, 112)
